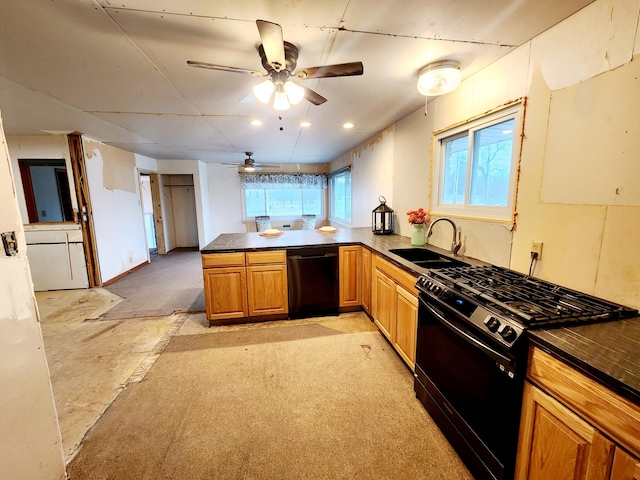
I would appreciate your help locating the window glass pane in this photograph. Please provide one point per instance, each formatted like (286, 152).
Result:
(454, 178)
(347, 197)
(491, 165)
(255, 201)
(341, 196)
(284, 202)
(312, 201)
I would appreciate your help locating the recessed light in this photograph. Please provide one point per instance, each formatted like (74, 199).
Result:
(507, 132)
(256, 122)
(347, 125)
(305, 124)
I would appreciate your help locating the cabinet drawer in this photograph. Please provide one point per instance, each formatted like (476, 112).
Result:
(401, 277)
(212, 260)
(269, 257)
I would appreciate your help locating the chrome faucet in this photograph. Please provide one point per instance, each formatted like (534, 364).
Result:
(456, 243)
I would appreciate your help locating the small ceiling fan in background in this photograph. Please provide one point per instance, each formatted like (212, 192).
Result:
(250, 165)
(279, 59)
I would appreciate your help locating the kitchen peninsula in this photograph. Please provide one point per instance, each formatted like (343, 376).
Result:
(589, 375)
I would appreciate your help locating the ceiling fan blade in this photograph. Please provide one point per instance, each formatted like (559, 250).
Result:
(311, 96)
(338, 70)
(212, 66)
(273, 43)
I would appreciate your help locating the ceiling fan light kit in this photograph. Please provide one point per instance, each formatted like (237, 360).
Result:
(264, 90)
(439, 78)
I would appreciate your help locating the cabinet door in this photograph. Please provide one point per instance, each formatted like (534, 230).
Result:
(384, 303)
(267, 290)
(557, 444)
(225, 293)
(406, 325)
(625, 467)
(350, 283)
(366, 280)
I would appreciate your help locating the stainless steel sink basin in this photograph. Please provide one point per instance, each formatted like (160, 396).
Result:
(426, 258)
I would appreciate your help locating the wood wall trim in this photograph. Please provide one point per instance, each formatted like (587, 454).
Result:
(124, 274)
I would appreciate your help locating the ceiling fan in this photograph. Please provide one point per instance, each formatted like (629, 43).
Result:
(250, 164)
(279, 59)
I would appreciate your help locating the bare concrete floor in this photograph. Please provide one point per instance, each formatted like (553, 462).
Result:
(92, 360)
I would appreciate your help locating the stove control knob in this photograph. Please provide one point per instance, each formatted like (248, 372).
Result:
(492, 323)
(508, 333)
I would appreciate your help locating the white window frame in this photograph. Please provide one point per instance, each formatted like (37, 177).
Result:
(493, 213)
(282, 218)
(332, 217)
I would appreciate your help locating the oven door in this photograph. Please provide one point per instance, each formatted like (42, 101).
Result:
(465, 384)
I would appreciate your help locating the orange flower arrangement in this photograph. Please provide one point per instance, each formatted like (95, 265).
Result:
(419, 216)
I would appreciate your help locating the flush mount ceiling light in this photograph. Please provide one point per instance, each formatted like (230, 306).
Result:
(347, 125)
(439, 78)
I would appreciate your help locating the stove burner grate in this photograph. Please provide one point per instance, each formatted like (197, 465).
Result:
(531, 301)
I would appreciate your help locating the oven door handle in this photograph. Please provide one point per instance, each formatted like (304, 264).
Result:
(497, 356)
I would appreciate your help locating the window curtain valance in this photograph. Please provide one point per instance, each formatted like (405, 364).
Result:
(283, 180)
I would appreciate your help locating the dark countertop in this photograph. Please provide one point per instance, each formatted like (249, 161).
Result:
(608, 352)
(253, 241)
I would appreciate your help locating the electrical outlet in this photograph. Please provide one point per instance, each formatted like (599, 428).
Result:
(536, 247)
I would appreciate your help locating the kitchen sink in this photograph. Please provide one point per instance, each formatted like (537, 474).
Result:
(426, 258)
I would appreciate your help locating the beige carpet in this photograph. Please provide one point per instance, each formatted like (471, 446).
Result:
(284, 400)
(170, 283)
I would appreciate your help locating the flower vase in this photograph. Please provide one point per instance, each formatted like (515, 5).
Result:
(418, 235)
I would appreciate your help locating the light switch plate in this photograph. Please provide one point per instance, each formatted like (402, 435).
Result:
(10, 243)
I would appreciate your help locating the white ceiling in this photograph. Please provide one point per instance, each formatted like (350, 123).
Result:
(117, 71)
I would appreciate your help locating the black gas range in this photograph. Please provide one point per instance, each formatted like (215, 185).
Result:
(472, 350)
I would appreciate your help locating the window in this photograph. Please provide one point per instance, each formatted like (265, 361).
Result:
(340, 191)
(476, 169)
(283, 195)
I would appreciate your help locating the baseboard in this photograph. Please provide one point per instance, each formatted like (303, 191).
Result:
(124, 274)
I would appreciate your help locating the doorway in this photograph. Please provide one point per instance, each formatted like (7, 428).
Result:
(181, 221)
(146, 200)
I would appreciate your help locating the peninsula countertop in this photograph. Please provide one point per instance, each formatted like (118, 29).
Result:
(608, 352)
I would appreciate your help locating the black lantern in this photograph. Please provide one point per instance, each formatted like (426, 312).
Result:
(382, 218)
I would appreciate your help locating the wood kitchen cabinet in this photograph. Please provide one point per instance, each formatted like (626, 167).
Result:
(225, 286)
(350, 276)
(625, 467)
(384, 303)
(267, 283)
(366, 279)
(394, 307)
(572, 427)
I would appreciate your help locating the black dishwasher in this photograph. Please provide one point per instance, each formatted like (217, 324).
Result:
(313, 281)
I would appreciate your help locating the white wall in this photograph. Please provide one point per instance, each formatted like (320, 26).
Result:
(225, 201)
(112, 175)
(372, 176)
(30, 439)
